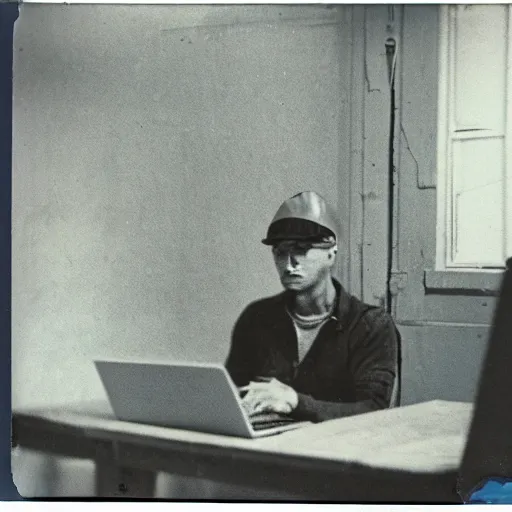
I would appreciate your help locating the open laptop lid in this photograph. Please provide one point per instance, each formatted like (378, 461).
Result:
(488, 452)
(192, 396)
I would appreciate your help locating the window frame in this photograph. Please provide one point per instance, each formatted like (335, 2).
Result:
(444, 262)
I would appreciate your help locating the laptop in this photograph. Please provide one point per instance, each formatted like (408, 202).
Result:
(190, 396)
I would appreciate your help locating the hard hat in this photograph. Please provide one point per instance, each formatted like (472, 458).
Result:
(305, 216)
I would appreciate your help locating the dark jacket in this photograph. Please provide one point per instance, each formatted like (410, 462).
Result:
(350, 369)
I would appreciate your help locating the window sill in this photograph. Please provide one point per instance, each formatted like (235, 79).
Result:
(463, 282)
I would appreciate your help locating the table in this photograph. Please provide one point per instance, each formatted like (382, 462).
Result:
(407, 454)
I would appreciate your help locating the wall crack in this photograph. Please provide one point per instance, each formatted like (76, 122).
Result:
(419, 184)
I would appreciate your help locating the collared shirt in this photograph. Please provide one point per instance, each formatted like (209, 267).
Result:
(350, 368)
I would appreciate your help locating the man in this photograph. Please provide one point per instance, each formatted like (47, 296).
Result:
(313, 351)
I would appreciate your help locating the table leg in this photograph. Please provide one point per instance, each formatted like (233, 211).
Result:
(114, 481)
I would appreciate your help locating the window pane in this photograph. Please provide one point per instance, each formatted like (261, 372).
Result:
(478, 170)
(480, 66)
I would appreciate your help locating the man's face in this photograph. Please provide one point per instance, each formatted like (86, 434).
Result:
(302, 265)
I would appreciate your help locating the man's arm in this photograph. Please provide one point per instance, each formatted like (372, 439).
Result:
(374, 364)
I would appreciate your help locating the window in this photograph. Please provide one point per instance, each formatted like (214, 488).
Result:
(475, 137)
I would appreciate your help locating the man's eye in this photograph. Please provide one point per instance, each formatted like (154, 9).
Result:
(298, 250)
(302, 249)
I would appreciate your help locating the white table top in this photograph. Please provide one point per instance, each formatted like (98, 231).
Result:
(428, 437)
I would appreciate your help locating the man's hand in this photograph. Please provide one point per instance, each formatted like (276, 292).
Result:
(269, 396)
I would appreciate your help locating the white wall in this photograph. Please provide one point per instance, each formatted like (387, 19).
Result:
(151, 148)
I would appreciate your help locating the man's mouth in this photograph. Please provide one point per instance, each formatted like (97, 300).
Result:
(291, 277)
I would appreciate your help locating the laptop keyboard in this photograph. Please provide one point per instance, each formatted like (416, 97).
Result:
(265, 421)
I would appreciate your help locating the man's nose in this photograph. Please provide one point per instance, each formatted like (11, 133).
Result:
(291, 262)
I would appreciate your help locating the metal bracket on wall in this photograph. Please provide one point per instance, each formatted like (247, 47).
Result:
(390, 45)
(397, 282)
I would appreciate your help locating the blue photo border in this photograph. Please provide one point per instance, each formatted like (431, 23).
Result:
(8, 17)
